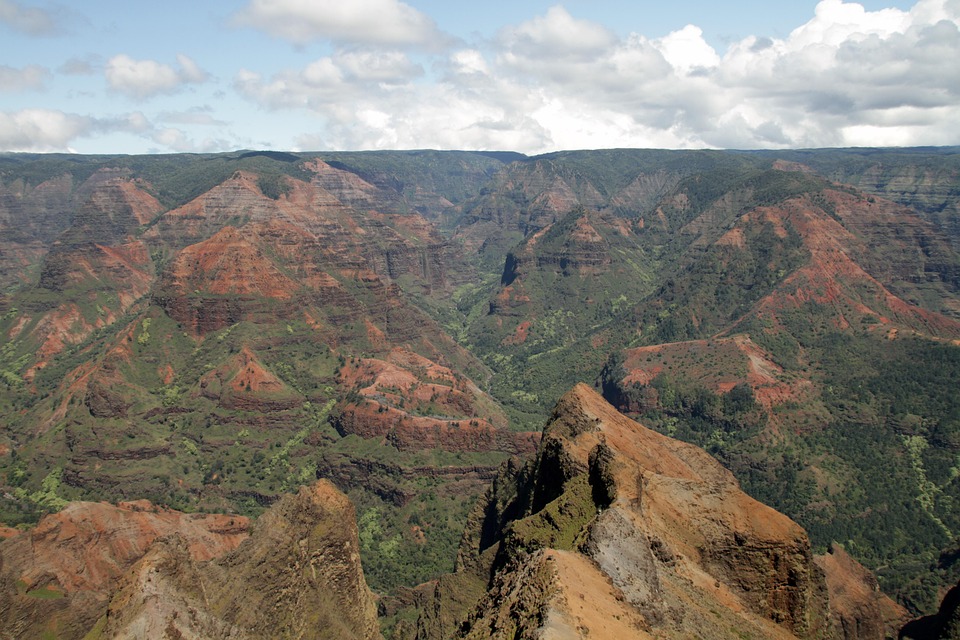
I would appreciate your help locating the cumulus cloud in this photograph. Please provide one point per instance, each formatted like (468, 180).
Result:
(30, 77)
(41, 129)
(338, 82)
(847, 77)
(178, 140)
(391, 67)
(30, 20)
(558, 34)
(363, 22)
(51, 130)
(686, 50)
(141, 79)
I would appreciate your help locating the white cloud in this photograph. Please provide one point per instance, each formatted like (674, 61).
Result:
(50, 130)
(30, 20)
(391, 67)
(30, 77)
(177, 140)
(836, 22)
(77, 66)
(469, 61)
(190, 72)
(686, 49)
(141, 79)
(338, 83)
(41, 129)
(848, 76)
(371, 22)
(558, 34)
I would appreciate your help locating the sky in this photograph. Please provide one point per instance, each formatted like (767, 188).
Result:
(532, 76)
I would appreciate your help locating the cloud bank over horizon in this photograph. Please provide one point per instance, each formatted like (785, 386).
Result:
(382, 74)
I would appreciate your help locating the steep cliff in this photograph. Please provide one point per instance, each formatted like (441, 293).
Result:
(616, 531)
(138, 571)
(59, 576)
(857, 606)
(942, 625)
(298, 575)
(94, 272)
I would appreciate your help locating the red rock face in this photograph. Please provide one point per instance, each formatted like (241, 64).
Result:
(851, 245)
(136, 570)
(718, 364)
(31, 218)
(97, 269)
(254, 258)
(88, 544)
(61, 574)
(228, 264)
(245, 383)
(413, 403)
(234, 202)
(369, 419)
(857, 606)
(547, 195)
(298, 574)
(835, 277)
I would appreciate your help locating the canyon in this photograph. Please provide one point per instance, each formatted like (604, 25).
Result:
(191, 336)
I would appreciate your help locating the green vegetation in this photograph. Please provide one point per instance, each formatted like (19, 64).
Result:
(667, 247)
(562, 522)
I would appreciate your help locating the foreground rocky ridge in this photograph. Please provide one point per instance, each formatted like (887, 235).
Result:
(610, 531)
(616, 531)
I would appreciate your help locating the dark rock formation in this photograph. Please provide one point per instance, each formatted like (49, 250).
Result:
(943, 625)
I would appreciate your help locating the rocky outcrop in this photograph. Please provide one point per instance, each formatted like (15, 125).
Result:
(718, 364)
(616, 531)
(847, 279)
(857, 606)
(522, 199)
(31, 218)
(349, 188)
(94, 272)
(243, 382)
(298, 575)
(411, 402)
(389, 481)
(926, 187)
(138, 571)
(370, 419)
(60, 575)
(582, 243)
(100, 245)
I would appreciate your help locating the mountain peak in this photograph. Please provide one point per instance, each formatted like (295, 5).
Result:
(660, 524)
